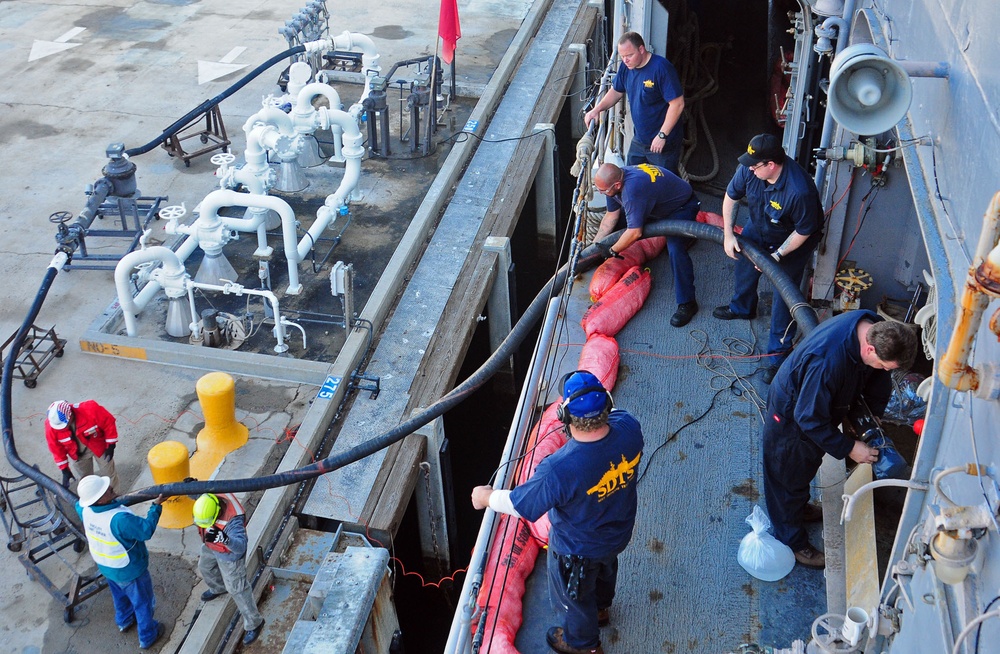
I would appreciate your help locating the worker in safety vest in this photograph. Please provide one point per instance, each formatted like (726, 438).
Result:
(78, 435)
(117, 539)
(222, 527)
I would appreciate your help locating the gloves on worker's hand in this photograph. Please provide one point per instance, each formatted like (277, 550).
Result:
(109, 453)
(216, 535)
(67, 478)
(607, 251)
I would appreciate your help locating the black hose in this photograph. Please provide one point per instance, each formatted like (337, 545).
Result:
(6, 414)
(589, 258)
(182, 122)
(802, 313)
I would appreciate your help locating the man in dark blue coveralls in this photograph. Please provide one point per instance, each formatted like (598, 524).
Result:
(656, 100)
(786, 219)
(845, 358)
(648, 193)
(588, 488)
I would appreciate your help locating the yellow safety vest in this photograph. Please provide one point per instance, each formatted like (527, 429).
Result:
(104, 547)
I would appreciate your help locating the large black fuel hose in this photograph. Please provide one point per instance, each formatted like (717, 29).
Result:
(6, 414)
(589, 258)
(182, 122)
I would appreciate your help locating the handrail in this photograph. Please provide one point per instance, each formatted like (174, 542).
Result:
(458, 637)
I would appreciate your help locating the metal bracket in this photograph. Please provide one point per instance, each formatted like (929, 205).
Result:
(374, 386)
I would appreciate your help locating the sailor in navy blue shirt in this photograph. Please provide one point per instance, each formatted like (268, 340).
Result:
(647, 193)
(841, 360)
(786, 219)
(655, 99)
(588, 489)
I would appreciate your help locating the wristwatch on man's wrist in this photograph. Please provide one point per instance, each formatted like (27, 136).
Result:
(662, 136)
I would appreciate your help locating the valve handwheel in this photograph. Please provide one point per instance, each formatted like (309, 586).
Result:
(222, 159)
(853, 280)
(60, 217)
(826, 635)
(173, 212)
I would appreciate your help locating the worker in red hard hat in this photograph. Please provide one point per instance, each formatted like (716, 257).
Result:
(80, 434)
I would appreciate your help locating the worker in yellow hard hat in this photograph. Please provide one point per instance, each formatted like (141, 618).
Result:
(221, 524)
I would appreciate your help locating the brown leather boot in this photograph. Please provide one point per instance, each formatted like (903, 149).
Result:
(812, 513)
(811, 557)
(554, 638)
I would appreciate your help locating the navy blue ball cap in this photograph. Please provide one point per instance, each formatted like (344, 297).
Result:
(589, 404)
(763, 147)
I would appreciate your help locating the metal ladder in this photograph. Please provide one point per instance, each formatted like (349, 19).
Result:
(38, 529)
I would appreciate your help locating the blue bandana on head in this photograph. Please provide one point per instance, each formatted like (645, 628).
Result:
(589, 405)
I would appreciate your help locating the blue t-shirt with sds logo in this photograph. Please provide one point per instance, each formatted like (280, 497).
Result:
(588, 490)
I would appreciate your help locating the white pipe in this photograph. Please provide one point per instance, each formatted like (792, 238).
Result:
(226, 198)
(303, 102)
(353, 152)
(255, 218)
(131, 306)
(270, 115)
(240, 290)
(353, 41)
(899, 483)
(195, 322)
(968, 628)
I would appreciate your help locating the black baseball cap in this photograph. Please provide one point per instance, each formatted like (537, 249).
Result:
(763, 147)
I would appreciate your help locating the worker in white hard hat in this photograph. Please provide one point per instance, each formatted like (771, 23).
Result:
(117, 540)
(80, 434)
(221, 524)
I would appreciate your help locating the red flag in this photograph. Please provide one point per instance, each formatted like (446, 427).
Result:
(449, 29)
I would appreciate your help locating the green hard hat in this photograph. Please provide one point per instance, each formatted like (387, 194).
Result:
(206, 510)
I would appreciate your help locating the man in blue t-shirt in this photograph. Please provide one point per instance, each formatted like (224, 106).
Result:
(786, 219)
(647, 193)
(846, 357)
(656, 100)
(588, 488)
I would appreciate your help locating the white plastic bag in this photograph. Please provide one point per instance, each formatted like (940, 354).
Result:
(760, 553)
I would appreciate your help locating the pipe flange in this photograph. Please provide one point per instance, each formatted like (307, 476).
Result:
(988, 278)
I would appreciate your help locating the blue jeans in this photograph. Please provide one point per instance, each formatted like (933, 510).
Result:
(669, 157)
(744, 302)
(134, 602)
(596, 590)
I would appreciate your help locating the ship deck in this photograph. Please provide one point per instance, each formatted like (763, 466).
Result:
(698, 394)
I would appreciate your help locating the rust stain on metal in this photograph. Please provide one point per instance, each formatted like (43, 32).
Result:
(747, 489)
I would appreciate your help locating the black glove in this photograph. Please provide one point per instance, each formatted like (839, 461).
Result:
(607, 251)
(110, 452)
(67, 478)
(215, 535)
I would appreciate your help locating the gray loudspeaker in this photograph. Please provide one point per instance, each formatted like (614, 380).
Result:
(869, 92)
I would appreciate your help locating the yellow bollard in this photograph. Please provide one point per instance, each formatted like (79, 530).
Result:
(168, 461)
(221, 434)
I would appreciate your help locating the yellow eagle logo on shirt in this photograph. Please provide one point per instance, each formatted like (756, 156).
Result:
(617, 477)
(649, 84)
(652, 171)
(775, 205)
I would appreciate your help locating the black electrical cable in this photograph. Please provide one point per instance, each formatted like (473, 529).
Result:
(979, 627)
(183, 121)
